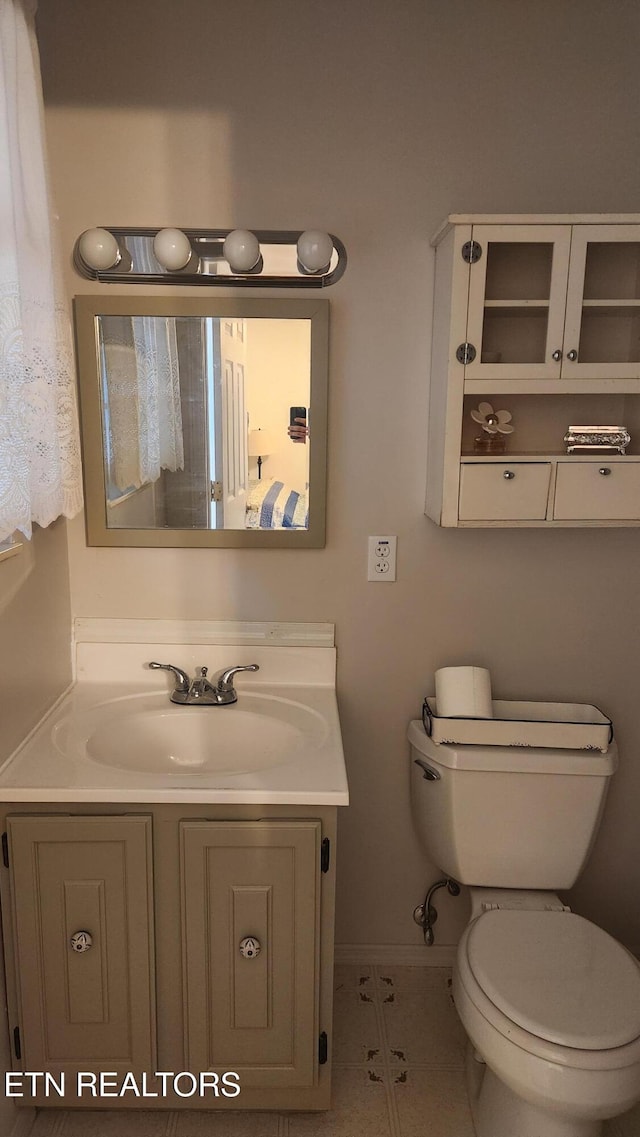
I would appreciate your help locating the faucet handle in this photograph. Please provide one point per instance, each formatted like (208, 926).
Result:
(182, 679)
(225, 682)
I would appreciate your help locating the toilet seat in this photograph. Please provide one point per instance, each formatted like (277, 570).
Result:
(557, 977)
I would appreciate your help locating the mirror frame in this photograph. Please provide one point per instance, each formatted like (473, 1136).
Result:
(88, 308)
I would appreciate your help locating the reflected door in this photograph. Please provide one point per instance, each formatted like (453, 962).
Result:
(233, 466)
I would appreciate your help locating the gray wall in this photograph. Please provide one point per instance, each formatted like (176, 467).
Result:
(374, 120)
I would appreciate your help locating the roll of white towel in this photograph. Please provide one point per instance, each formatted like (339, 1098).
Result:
(464, 692)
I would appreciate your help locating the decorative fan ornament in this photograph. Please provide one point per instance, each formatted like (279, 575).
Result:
(493, 422)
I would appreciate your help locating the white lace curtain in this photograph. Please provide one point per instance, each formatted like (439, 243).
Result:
(141, 395)
(40, 474)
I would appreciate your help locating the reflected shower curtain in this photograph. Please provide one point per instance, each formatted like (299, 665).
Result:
(141, 396)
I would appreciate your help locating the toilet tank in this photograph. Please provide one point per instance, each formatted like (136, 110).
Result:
(507, 817)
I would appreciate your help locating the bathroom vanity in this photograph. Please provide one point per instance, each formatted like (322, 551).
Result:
(176, 920)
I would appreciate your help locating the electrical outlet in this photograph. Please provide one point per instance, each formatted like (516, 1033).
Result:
(381, 561)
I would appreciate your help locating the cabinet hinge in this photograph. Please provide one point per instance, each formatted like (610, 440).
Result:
(471, 252)
(325, 854)
(466, 353)
(17, 1049)
(5, 850)
(323, 1048)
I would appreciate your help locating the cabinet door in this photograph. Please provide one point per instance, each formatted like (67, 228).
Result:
(254, 1014)
(92, 1009)
(602, 338)
(517, 293)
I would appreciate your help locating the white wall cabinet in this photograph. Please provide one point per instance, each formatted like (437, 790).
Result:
(167, 981)
(539, 316)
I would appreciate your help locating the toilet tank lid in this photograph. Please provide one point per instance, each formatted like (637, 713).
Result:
(513, 759)
(558, 976)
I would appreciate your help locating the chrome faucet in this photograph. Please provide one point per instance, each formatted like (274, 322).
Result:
(199, 691)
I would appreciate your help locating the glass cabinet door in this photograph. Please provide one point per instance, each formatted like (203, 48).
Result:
(602, 337)
(517, 292)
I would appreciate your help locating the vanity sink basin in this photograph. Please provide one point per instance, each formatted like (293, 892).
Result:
(150, 735)
(116, 737)
(196, 740)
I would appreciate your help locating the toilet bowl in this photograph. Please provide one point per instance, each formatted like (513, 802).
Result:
(551, 1004)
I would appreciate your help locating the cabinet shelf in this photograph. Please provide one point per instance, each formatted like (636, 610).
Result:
(622, 305)
(546, 456)
(521, 304)
(490, 386)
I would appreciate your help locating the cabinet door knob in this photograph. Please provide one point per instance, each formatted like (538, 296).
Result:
(250, 947)
(572, 355)
(557, 355)
(604, 470)
(508, 474)
(81, 941)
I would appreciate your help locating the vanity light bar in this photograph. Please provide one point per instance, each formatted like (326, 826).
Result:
(249, 258)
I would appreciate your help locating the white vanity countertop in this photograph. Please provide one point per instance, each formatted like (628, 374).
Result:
(55, 764)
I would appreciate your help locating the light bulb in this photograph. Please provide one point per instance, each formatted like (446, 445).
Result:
(172, 248)
(315, 250)
(242, 250)
(99, 249)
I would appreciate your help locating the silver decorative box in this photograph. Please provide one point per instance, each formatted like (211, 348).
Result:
(607, 439)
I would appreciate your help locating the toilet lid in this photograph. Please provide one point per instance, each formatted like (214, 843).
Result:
(557, 976)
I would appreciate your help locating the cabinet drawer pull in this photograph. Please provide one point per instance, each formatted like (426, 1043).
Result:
(250, 947)
(81, 941)
(508, 474)
(604, 470)
(572, 355)
(557, 355)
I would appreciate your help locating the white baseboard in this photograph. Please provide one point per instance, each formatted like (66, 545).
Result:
(23, 1123)
(400, 955)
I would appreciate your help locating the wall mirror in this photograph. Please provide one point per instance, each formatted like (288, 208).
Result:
(203, 421)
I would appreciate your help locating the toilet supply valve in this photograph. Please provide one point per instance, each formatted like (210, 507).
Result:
(426, 915)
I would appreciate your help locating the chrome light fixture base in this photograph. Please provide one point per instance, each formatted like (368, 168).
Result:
(278, 265)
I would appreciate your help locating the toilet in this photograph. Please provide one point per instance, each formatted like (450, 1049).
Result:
(549, 1001)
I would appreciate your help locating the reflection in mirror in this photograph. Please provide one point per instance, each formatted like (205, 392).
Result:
(210, 418)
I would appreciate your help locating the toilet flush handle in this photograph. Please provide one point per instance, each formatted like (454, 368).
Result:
(429, 773)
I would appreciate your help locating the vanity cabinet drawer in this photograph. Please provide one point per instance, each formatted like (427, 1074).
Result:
(504, 491)
(585, 492)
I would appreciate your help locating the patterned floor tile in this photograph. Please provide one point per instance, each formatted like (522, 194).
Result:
(432, 1102)
(356, 1031)
(359, 1108)
(420, 1021)
(48, 1123)
(205, 1124)
(114, 1123)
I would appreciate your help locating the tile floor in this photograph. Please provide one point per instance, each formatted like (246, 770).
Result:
(398, 1053)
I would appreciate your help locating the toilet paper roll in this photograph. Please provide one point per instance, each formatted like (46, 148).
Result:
(464, 692)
